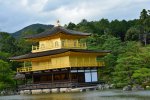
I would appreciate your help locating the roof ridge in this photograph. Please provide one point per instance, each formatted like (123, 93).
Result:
(56, 30)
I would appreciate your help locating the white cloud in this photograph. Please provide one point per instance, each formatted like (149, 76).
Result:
(16, 14)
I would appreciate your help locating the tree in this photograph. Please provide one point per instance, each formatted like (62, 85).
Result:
(71, 26)
(9, 44)
(144, 22)
(125, 69)
(132, 34)
(127, 63)
(119, 28)
(143, 14)
(6, 74)
(101, 26)
(83, 22)
(141, 75)
(4, 56)
(113, 44)
(84, 26)
(145, 56)
(23, 46)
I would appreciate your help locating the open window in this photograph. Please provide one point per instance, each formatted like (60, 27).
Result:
(56, 44)
(63, 43)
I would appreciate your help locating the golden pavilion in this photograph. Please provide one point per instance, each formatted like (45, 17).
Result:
(60, 59)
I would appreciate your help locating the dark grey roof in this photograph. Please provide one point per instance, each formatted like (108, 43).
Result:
(53, 52)
(56, 30)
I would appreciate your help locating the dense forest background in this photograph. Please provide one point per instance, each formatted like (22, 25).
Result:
(129, 42)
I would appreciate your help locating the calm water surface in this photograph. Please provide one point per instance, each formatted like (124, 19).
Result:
(92, 95)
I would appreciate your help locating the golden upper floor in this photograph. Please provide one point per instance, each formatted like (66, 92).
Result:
(58, 44)
(57, 38)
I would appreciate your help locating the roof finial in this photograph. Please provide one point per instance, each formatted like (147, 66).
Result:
(57, 23)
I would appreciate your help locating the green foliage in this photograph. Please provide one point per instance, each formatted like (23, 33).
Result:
(108, 42)
(143, 14)
(4, 56)
(132, 34)
(119, 28)
(142, 75)
(23, 46)
(101, 26)
(131, 65)
(125, 69)
(144, 23)
(71, 26)
(6, 75)
(3, 36)
(7, 43)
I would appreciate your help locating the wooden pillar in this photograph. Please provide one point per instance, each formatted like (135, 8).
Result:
(52, 77)
(70, 75)
(52, 84)
(32, 78)
(77, 75)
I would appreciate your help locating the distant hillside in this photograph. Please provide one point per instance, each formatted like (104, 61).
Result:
(31, 29)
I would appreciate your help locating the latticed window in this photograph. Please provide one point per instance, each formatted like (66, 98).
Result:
(63, 43)
(56, 44)
(75, 43)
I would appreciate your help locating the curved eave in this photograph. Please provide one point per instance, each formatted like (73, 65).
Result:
(55, 52)
(57, 30)
(58, 35)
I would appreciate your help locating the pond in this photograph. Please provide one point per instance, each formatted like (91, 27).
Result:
(91, 95)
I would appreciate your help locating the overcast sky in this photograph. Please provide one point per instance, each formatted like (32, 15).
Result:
(16, 14)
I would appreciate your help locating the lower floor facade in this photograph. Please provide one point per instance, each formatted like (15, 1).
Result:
(60, 78)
